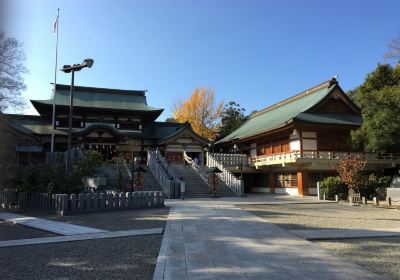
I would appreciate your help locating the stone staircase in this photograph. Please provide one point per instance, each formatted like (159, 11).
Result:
(149, 182)
(195, 186)
(111, 172)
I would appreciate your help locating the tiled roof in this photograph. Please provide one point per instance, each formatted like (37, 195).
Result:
(294, 108)
(132, 100)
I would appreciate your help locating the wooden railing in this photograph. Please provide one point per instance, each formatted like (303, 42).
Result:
(235, 184)
(319, 155)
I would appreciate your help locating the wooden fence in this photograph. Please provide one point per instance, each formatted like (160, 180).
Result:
(63, 204)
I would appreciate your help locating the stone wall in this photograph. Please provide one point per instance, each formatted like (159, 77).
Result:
(63, 204)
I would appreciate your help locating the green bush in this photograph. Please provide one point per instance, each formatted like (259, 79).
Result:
(46, 178)
(332, 186)
(374, 185)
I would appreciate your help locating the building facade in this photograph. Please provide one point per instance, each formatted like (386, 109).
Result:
(114, 122)
(297, 142)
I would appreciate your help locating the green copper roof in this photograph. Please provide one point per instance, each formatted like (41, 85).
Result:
(102, 98)
(346, 119)
(294, 108)
(32, 124)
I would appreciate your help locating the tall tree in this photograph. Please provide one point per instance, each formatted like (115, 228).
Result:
(379, 100)
(11, 70)
(201, 111)
(393, 52)
(232, 117)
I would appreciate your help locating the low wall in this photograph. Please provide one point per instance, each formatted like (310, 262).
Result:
(393, 193)
(63, 204)
(8, 200)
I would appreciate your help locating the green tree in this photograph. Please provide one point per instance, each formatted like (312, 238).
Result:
(393, 52)
(379, 100)
(232, 117)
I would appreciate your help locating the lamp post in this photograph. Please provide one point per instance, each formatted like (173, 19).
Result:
(88, 62)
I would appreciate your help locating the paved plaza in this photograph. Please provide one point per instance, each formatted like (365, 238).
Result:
(217, 240)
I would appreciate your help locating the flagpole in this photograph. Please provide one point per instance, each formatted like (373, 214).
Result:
(54, 90)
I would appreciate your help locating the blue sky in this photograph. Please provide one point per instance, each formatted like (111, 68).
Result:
(252, 52)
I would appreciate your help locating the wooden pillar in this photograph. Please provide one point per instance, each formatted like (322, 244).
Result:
(302, 181)
(271, 178)
(141, 151)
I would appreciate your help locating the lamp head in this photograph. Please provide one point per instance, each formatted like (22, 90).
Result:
(88, 62)
(66, 68)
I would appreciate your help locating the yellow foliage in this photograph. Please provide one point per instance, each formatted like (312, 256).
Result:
(201, 112)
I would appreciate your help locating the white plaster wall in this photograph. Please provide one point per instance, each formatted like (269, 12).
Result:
(295, 145)
(310, 144)
(309, 134)
(312, 191)
(292, 191)
(260, 190)
(253, 149)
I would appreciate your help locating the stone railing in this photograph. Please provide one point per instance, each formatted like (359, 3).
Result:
(63, 204)
(235, 184)
(231, 159)
(320, 155)
(169, 184)
(196, 169)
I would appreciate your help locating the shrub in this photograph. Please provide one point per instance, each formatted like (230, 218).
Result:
(47, 178)
(374, 185)
(331, 186)
(350, 170)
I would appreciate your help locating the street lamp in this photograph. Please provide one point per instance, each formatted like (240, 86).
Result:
(88, 62)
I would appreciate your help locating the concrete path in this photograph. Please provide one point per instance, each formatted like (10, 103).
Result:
(51, 226)
(211, 241)
(324, 234)
(79, 237)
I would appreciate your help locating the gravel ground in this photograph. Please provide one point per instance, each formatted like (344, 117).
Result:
(380, 255)
(329, 215)
(10, 231)
(113, 220)
(114, 258)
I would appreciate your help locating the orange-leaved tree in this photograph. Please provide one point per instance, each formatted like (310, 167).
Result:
(201, 111)
(350, 171)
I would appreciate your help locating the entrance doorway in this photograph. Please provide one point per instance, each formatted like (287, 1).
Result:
(196, 156)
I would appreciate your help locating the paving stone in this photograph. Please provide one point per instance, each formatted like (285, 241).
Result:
(225, 242)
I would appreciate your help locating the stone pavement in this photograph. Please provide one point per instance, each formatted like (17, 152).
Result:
(325, 234)
(51, 226)
(221, 241)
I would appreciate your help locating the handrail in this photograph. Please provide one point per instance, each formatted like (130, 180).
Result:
(167, 183)
(128, 170)
(196, 168)
(235, 184)
(322, 155)
(166, 167)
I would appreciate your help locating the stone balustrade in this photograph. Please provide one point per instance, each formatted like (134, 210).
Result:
(231, 159)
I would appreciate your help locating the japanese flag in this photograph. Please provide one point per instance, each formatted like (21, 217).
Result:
(55, 25)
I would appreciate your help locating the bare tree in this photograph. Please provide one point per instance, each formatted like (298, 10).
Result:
(11, 70)
(394, 49)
